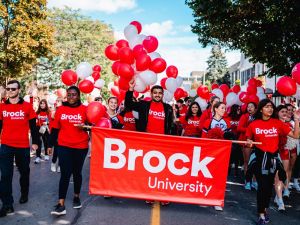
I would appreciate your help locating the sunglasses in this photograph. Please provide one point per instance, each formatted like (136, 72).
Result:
(11, 89)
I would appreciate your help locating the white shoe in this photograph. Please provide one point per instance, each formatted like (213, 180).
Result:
(248, 186)
(218, 208)
(276, 200)
(58, 169)
(280, 204)
(53, 167)
(286, 193)
(37, 160)
(296, 185)
(46, 158)
(254, 185)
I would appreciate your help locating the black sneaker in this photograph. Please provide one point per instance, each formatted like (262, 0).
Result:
(59, 210)
(23, 199)
(76, 203)
(6, 210)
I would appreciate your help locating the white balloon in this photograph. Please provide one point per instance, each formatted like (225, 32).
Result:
(90, 78)
(95, 93)
(27, 98)
(130, 31)
(52, 99)
(136, 40)
(110, 85)
(297, 95)
(84, 69)
(218, 92)
(260, 90)
(154, 55)
(168, 96)
(239, 101)
(261, 96)
(231, 99)
(171, 84)
(99, 83)
(192, 93)
(187, 87)
(179, 81)
(135, 114)
(140, 86)
(148, 77)
(202, 103)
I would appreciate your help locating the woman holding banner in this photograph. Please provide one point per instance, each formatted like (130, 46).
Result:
(267, 130)
(72, 146)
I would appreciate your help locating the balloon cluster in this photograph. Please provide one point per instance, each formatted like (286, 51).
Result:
(96, 115)
(88, 74)
(254, 92)
(290, 86)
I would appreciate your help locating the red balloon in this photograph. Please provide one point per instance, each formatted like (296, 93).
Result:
(104, 123)
(258, 83)
(122, 43)
(125, 71)
(253, 98)
(121, 96)
(252, 82)
(243, 97)
(296, 73)
(126, 55)
(286, 86)
(69, 77)
(178, 94)
(244, 108)
(251, 90)
(94, 111)
(142, 62)
(163, 82)
(138, 50)
(214, 86)
(115, 91)
(111, 52)
(158, 65)
(138, 25)
(203, 92)
(115, 67)
(136, 94)
(97, 68)
(61, 92)
(236, 89)
(96, 75)
(225, 89)
(172, 71)
(150, 43)
(86, 86)
(123, 84)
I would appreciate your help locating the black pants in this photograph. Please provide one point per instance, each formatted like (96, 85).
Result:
(55, 154)
(267, 164)
(22, 159)
(71, 162)
(296, 170)
(42, 138)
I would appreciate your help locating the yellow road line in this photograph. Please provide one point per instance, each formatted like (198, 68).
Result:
(155, 214)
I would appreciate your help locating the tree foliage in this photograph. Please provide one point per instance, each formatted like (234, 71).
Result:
(25, 35)
(217, 64)
(268, 31)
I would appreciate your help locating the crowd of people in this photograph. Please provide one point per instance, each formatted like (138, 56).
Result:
(272, 165)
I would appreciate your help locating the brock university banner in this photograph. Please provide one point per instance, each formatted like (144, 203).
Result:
(158, 167)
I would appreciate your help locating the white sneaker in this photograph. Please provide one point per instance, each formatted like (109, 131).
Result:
(46, 158)
(276, 200)
(37, 160)
(218, 208)
(53, 167)
(296, 185)
(58, 169)
(248, 186)
(280, 204)
(286, 193)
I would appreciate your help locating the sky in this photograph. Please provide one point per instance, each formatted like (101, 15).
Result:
(168, 20)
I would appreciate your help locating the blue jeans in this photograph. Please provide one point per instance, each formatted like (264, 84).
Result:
(22, 159)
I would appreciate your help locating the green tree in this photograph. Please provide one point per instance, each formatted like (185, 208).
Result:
(217, 64)
(267, 31)
(25, 35)
(78, 38)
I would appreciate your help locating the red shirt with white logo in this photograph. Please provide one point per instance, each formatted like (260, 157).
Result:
(15, 127)
(267, 132)
(43, 117)
(192, 126)
(156, 118)
(128, 121)
(70, 135)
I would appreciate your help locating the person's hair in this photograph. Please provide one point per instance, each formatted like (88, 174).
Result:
(180, 101)
(278, 108)
(98, 99)
(46, 108)
(289, 105)
(217, 106)
(189, 113)
(14, 82)
(211, 101)
(234, 112)
(177, 112)
(75, 89)
(253, 103)
(187, 99)
(261, 104)
(157, 87)
(112, 97)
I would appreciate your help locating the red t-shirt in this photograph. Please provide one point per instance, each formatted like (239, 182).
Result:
(42, 117)
(69, 135)
(15, 127)
(156, 118)
(267, 132)
(192, 126)
(183, 111)
(128, 121)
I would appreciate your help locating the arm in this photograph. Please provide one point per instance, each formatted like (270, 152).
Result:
(242, 127)
(295, 133)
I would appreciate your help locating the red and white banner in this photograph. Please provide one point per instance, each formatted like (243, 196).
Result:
(158, 167)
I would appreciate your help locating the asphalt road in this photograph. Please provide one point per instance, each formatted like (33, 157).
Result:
(240, 206)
